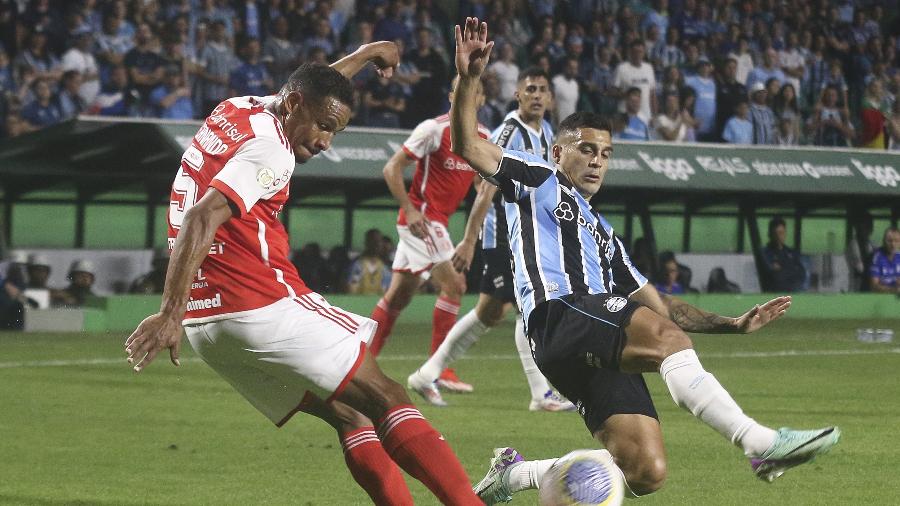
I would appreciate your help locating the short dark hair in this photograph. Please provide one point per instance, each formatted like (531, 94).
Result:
(584, 119)
(633, 89)
(318, 81)
(533, 71)
(774, 223)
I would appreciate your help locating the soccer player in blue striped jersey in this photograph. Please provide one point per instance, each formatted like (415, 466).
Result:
(595, 323)
(523, 129)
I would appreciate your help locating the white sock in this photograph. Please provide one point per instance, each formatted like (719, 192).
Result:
(528, 474)
(537, 383)
(700, 393)
(464, 333)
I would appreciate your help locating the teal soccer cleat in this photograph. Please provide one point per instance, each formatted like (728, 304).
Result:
(792, 448)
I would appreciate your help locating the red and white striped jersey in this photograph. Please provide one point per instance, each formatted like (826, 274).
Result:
(442, 179)
(242, 152)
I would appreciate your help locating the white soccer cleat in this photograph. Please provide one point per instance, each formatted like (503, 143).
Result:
(552, 401)
(426, 389)
(450, 382)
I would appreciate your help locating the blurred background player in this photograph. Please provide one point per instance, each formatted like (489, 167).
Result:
(523, 129)
(594, 321)
(440, 183)
(885, 269)
(244, 308)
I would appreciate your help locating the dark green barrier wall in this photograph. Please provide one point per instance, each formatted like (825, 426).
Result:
(123, 313)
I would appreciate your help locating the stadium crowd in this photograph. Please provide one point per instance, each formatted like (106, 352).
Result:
(821, 72)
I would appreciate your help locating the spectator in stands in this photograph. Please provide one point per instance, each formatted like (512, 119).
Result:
(38, 57)
(835, 79)
(635, 128)
(705, 107)
(80, 59)
(719, 283)
(744, 60)
(791, 61)
(817, 70)
(668, 53)
(429, 94)
(7, 80)
(145, 68)
(385, 102)
(368, 273)
(42, 111)
(492, 112)
(172, 99)
(37, 271)
(251, 76)
(761, 115)
(885, 270)
(80, 289)
(69, 100)
(672, 81)
(784, 271)
(322, 37)
(669, 125)
(392, 25)
(829, 124)
(668, 282)
(893, 126)
(768, 70)
(688, 98)
(154, 281)
(597, 80)
(636, 73)
(311, 265)
(773, 86)
(507, 72)
(217, 60)
(282, 55)
(739, 129)
(112, 46)
(874, 113)
(115, 99)
(859, 251)
(786, 134)
(12, 296)
(729, 93)
(566, 89)
(787, 108)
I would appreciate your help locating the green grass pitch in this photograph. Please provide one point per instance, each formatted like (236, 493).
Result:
(77, 427)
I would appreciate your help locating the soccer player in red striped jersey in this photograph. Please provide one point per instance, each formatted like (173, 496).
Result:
(245, 309)
(440, 183)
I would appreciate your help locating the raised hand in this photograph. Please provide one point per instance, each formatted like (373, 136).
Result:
(760, 316)
(473, 50)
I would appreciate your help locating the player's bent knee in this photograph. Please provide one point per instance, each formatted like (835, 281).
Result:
(646, 477)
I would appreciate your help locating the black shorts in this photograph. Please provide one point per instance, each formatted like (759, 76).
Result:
(497, 279)
(578, 342)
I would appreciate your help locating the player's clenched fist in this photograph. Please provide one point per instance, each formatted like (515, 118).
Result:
(472, 48)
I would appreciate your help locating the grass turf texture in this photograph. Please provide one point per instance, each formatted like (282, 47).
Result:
(88, 431)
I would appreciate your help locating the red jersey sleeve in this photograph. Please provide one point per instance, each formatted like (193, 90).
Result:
(259, 169)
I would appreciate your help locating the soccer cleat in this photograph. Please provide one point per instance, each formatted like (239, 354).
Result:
(494, 487)
(427, 389)
(792, 448)
(450, 382)
(552, 401)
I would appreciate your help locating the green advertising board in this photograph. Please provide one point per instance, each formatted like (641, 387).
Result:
(362, 152)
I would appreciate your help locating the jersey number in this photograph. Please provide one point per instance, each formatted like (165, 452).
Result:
(184, 196)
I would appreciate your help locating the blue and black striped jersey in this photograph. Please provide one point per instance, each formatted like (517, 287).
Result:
(513, 133)
(559, 244)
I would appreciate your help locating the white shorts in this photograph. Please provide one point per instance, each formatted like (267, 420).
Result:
(419, 256)
(280, 355)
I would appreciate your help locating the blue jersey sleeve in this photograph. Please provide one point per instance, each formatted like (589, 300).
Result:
(519, 173)
(508, 136)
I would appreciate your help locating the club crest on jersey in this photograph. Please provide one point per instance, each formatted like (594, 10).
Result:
(265, 177)
(615, 304)
(564, 211)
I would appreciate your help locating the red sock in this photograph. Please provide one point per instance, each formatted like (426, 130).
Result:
(442, 320)
(371, 467)
(414, 444)
(385, 316)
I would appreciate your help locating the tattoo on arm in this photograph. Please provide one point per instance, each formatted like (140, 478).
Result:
(693, 319)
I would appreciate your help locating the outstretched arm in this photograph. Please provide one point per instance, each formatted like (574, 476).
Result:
(472, 54)
(694, 319)
(383, 54)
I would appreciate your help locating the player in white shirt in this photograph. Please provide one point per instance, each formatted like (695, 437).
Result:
(636, 73)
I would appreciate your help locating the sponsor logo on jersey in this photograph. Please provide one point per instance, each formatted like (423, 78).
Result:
(615, 304)
(197, 304)
(505, 134)
(265, 177)
(229, 129)
(209, 141)
(193, 158)
(452, 163)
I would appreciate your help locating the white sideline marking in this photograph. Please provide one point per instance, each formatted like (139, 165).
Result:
(393, 358)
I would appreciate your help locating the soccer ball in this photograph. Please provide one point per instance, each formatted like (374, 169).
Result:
(583, 477)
